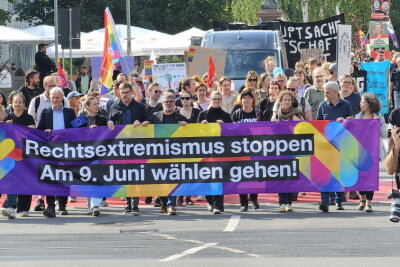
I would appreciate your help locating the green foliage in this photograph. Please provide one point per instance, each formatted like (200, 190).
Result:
(246, 11)
(170, 16)
(4, 17)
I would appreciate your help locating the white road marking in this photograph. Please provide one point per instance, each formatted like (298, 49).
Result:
(232, 224)
(190, 251)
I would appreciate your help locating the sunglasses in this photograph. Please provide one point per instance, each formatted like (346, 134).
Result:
(291, 89)
(252, 80)
(158, 91)
(186, 98)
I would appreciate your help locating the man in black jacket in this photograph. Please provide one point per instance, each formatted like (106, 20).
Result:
(31, 88)
(127, 111)
(43, 63)
(56, 118)
(167, 116)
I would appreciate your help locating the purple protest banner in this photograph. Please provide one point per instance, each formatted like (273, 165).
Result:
(196, 159)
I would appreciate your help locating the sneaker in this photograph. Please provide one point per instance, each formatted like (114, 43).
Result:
(127, 210)
(135, 210)
(148, 200)
(24, 213)
(368, 209)
(49, 213)
(89, 212)
(63, 211)
(288, 208)
(8, 212)
(282, 208)
(104, 204)
(171, 210)
(209, 207)
(189, 201)
(199, 198)
(163, 209)
(339, 206)
(216, 211)
(324, 207)
(242, 209)
(95, 211)
(157, 202)
(256, 206)
(39, 205)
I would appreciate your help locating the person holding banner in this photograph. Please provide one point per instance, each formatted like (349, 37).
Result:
(287, 111)
(339, 110)
(215, 114)
(56, 118)
(21, 117)
(370, 107)
(167, 116)
(247, 113)
(127, 111)
(93, 119)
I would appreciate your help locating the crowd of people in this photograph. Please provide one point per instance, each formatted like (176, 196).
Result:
(310, 92)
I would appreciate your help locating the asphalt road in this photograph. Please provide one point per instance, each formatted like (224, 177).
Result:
(305, 237)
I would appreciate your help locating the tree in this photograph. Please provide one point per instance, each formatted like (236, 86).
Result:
(170, 16)
(5, 17)
(246, 11)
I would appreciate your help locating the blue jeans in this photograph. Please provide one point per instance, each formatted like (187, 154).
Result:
(94, 202)
(339, 196)
(169, 201)
(11, 201)
(396, 99)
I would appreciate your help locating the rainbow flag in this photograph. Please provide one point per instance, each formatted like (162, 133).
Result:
(62, 81)
(362, 37)
(112, 53)
(191, 53)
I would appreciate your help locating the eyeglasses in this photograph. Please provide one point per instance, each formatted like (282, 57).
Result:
(217, 99)
(157, 91)
(169, 101)
(252, 80)
(291, 89)
(186, 98)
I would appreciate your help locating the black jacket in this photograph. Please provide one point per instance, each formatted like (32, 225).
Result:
(137, 110)
(44, 64)
(157, 117)
(99, 121)
(46, 118)
(214, 114)
(78, 84)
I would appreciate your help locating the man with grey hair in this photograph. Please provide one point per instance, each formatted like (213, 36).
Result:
(339, 110)
(167, 115)
(315, 94)
(57, 117)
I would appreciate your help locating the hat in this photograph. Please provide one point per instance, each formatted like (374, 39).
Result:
(73, 94)
(277, 70)
(246, 93)
(333, 67)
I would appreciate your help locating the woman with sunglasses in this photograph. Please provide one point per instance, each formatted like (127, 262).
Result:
(247, 113)
(228, 95)
(287, 112)
(21, 117)
(215, 114)
(191, 114)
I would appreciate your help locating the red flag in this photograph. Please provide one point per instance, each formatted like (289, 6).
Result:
(211, 73)
(62, 81)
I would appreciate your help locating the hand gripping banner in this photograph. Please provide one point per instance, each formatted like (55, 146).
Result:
(196, 159)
